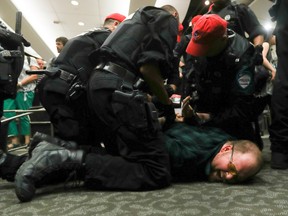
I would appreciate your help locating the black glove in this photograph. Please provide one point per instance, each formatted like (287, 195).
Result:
(258, 57)
(170, 91)
(169, 114)
(166, 111)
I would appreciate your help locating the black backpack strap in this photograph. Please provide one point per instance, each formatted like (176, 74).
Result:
(237, 8)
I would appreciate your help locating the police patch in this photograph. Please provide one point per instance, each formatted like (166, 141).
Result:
(244, 80)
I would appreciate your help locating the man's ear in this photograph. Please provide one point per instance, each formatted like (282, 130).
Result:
(226, 147)
(116, 23)
(224, 37)
(176, 15)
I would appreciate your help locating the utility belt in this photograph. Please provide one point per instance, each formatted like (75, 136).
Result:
(66, 76)
(128, 77)
(51, 72)
(76, 86)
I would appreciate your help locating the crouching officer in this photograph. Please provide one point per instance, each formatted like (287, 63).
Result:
(136, 159)
(142, 47)
(224, 74)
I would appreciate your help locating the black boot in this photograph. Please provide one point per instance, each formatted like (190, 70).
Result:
(3, 156)
(9, 164)
(46, 159)
(39, 137)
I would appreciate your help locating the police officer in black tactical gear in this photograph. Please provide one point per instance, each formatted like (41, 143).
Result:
(243, 21)
(224, 72)
(126, 123)
(62, 93)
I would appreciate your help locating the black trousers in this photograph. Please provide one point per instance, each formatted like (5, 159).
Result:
(70, 118)
(279, 101)
(134, 161)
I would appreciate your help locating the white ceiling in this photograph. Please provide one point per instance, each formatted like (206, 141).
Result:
(53, 18)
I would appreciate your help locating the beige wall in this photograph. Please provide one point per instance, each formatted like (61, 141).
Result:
(8, 14)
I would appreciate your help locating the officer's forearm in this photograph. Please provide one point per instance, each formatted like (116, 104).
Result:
(152, 76)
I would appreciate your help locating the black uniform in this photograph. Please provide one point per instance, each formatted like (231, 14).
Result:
(225, 87)
(63, 93)
(279, 101)
(240, 19)
(136, 158)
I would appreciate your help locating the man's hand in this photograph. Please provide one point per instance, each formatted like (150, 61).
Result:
(187, 110)
(179, 118)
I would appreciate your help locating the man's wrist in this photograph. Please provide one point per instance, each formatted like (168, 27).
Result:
(206, 118)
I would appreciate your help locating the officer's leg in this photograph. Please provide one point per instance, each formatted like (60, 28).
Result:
(46, 159)
(141, 164)
(9, 164)
(141, 161)
(60, 113)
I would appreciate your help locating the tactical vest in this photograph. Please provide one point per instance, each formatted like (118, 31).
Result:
(215, 78)
(74, 58)
(231, 14)
(148, 28)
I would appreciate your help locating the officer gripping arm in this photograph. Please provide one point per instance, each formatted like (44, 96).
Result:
(152, 75)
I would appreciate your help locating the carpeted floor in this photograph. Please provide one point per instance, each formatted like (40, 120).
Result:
(267, 195)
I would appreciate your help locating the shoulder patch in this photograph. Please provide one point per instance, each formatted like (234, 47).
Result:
(244, 80)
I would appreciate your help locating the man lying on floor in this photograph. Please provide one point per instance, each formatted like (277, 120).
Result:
(196, 153)
(206, 153)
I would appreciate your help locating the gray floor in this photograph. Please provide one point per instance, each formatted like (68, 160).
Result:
(266, 195)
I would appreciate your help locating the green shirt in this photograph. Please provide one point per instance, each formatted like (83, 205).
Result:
(191, 150)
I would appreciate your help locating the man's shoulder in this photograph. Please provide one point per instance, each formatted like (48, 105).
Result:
(98, 31)
(154, 11)
(240, 7)
(238, 44)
